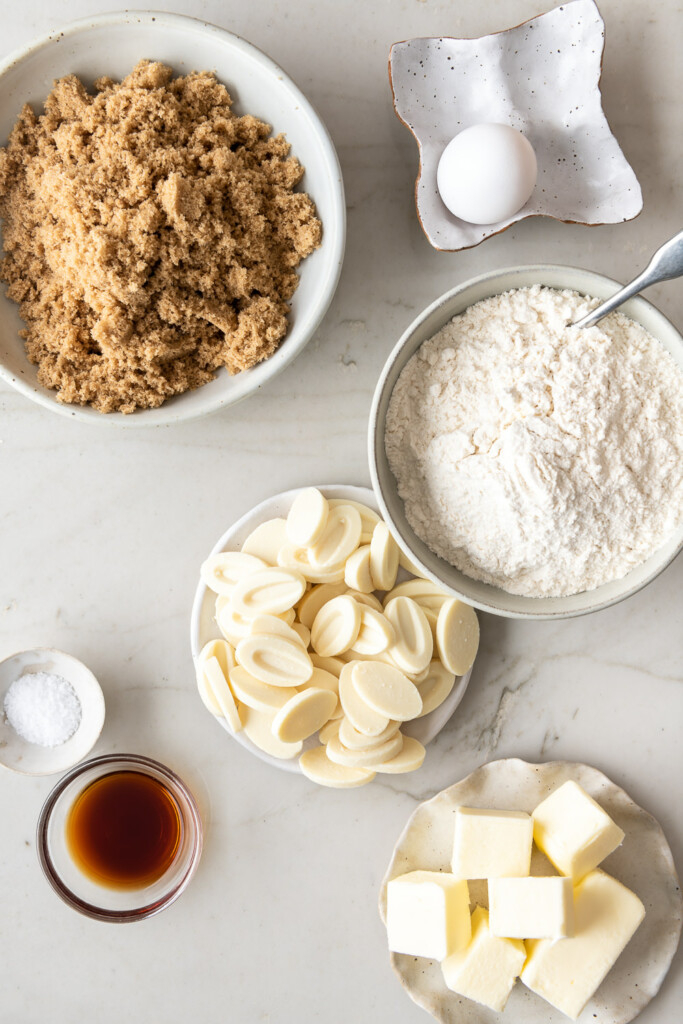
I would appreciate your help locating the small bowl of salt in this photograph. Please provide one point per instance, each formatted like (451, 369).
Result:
(51, 711)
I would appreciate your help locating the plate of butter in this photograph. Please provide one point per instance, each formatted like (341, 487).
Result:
(534, 892)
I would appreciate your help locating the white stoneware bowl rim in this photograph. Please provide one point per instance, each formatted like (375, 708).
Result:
(28, 758)
(424, 729)
(425, 325)
(322, 268)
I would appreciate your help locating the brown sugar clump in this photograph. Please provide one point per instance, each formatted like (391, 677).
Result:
(151, 236)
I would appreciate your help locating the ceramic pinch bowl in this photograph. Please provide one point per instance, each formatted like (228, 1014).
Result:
(203, 623)
(31, 758)
(643, 863)
(442, 86)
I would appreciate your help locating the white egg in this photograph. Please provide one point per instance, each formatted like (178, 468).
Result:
(487, 173)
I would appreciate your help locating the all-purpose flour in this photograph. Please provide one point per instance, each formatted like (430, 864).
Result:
(543, 459)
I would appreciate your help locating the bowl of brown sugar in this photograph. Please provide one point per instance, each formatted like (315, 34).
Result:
(172, 216)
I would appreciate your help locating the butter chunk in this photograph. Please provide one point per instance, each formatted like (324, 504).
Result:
(567, 973)
(486, 969)
(428, 914)
(573, 831)
(531, 908)
(491, 844)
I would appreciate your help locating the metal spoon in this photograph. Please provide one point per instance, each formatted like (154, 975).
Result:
(666, 264)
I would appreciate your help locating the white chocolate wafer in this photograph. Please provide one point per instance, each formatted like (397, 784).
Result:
(304, 714)
(303, 633)
(205, 691)
(222, 650)
(414, 645)
(266, 540)
(355, 740)
(233, 626)
(271, 625)
(408, 759)
(336, 626)
(275, 660)
(357, 573)
(376, 633)
(383, 558)
(435, 687)
(424, 592)
(222, 571)
(340, 538)
(291, 557)
(332, 665)
(258, 726)
(329, 730)
(218, 685)
(316, 766)
(313, 600)
(324, 680)
(368, 517)
(307, 518)
(270, 591)
(367, 599)
(258, 695)
(337, 752)
(386, 690)
(457, 635)
(360, 714)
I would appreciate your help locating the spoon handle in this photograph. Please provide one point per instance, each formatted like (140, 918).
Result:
(666, 264)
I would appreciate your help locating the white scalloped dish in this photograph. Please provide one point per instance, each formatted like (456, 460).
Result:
(643, 863)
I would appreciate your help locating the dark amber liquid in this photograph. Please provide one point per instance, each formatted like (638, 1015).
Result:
(124, 830)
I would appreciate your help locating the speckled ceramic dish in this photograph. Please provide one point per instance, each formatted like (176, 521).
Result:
(442, 86)
(112, 44)
(30, 758)
(431, 320)
(203, 624)
(643, 863)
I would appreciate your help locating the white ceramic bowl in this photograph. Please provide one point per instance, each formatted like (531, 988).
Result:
(203, 625)
(30, 758)
(431, 320)
(112, 44)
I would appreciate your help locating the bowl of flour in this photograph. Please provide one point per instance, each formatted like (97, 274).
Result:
(533, 469)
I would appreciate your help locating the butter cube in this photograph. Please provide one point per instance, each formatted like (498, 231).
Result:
(486, 969)
(567, 973)
(428, 914)
(491, 844)
(573, 831)
(531, 908)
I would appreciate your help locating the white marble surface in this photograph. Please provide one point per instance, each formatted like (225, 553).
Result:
(102, 534)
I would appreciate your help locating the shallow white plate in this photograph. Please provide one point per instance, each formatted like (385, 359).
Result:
(203, 625)
(30, 758)
(643, 863)
(111, 44)
(426, 324)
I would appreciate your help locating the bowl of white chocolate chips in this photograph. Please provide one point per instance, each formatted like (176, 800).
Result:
(530, 467)
(316, 645)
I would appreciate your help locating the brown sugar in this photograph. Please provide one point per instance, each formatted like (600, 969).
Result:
(151, 236)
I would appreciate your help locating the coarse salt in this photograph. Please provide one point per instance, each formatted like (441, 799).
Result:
(43, 708)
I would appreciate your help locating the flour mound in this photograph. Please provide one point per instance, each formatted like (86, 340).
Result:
(540, 458)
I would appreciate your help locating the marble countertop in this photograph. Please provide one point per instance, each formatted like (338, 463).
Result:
(103, 531)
